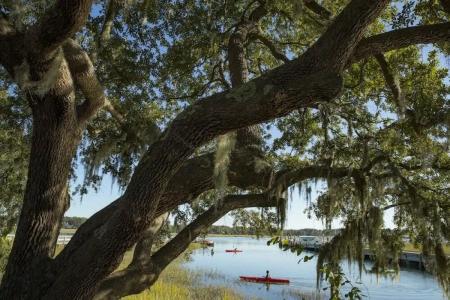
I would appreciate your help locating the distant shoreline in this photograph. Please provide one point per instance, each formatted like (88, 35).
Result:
(409, 247)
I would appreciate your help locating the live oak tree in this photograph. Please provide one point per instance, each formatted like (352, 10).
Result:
(144, 90)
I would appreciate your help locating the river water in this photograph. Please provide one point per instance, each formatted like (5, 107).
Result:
(225, 269)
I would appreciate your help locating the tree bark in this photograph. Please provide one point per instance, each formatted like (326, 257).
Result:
(43, 75)
(55, 138)
(237, 65)
(401, 38)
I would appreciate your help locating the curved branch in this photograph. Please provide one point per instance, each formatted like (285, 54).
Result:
(290, 177)
(83, 73)
(273, 49)
(177, 245)
(247, 170)
(237, 63)
(392, 82)
(59, 23)
(10, 43)
(336, 46)
(396, 39)
(111, 11)
(395, 205)
(138, 277)
(318, 9)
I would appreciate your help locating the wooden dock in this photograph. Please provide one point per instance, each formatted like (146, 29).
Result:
(408, 259)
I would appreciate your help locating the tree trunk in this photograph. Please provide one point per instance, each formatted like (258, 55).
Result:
(54, 140)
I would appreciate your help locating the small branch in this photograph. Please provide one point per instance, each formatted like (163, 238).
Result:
(111, 11)
(284, 14)
(114, 113)
(445, 5)
(361, 77)
(286, 178)
(395, 205)
(202, 90)
(273, 49)
(393, 83)
(318, 9)
(224, 82)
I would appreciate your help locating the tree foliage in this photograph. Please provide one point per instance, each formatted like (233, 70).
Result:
(343, 94)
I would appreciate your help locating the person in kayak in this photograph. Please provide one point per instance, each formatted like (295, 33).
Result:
(267, 274)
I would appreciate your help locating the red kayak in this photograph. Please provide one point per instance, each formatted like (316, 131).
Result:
(264, 279)
(233, 250)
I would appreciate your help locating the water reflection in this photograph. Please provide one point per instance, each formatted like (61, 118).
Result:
(257, 257)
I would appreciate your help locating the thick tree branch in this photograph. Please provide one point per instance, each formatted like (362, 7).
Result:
(288, 178)
(238, 68)
(10, 42)
(334, 49)
(138, 277)
(142, 250)
(36, 57)
(237, 62)
(59, 23)
(177, 245)
(247, 169)
(54, 141)
(83, 73)
(396, 39)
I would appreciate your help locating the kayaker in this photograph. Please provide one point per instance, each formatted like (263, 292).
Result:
(267, 274)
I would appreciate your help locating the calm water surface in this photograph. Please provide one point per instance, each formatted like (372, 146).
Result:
(258, 257)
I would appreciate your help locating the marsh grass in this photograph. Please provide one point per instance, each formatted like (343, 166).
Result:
(178, 283)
